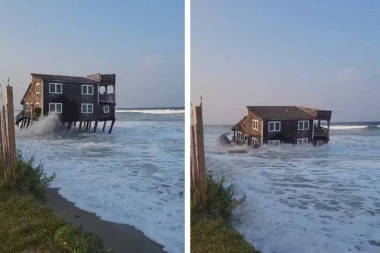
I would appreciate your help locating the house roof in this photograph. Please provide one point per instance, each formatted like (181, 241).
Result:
(234, 127)
(279, 112)
(58, 78)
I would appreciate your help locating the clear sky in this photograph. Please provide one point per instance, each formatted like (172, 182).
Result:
(141, 41)
(321, 53)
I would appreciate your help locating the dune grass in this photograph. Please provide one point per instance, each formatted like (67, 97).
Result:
(211, 222)
(29, 226)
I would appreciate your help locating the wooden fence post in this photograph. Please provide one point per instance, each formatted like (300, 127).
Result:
(11, 132)
(198, 156)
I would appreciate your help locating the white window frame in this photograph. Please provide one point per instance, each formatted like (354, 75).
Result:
(302, 141)
(255, 124)
(301, 125)
(27, 107)
(87, 106)
(55, 88)
(319, 143)
(55, 107)
(87, 86)
(108, 109)
(240, 136)
(255, 142)
(245, 138)
(37, 105)
(39, 88)
(274, 129)
(274, 142)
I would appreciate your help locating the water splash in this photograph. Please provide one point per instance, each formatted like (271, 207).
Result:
(46, 125)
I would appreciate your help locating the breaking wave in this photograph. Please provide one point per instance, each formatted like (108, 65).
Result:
(48, 125)
(152, 111)
(352, 127)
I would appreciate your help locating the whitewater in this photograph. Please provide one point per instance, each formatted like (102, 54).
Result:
(306, 199)
(133, 176)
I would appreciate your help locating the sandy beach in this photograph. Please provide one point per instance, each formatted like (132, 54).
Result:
(120, 238)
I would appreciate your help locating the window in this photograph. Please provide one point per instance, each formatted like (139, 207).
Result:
(319, 143)
(274, 142)
(55, 88)
(55, 107)
(302, 141)
(87, 89)
(240, 136)
(87, 108)
(27, 106)
(255, 124)
(245, 138)
(38, 88)
(274, 126)
(255, 142)
(37, 105)
(106, 109)
(303, 125)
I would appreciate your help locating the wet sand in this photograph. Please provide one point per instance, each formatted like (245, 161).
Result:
(119, 237)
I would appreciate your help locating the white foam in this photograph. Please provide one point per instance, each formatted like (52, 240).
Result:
(133, 176)
(305, 199)
(46, 125)
(342, 127)
(158, 111)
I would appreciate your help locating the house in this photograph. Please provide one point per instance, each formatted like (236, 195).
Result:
(274, 125)
(74, 99)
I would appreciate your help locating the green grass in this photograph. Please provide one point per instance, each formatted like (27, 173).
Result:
(29, 226)
(211, 222)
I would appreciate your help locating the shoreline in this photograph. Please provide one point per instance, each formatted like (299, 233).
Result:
(119, 237)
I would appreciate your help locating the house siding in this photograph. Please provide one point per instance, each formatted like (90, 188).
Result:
(289, 132)
(72, 99)
(32, 97)
(246, 128)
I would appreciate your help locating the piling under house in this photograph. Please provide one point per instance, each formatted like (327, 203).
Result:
(275, 125)
(81, 100)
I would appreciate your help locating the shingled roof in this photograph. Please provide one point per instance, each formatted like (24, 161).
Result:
(279, 112)
(58, 78)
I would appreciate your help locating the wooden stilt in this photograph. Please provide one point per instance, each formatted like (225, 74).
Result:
(69, 126)
(104, 125)
(113, 121)
(95, 126)
(90, 124)
(28, 123)
(75, 124)
(87, 124)
(80, 125)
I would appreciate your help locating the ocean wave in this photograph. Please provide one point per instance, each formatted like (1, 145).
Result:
(152, 111)
(352, 127)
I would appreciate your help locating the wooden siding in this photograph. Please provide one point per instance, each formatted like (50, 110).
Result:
(106, 116)
(32, 98)
(289, 132)
(72, 99)
(246, 127)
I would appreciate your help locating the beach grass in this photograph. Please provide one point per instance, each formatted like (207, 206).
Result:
(27, 225)
(211, 221)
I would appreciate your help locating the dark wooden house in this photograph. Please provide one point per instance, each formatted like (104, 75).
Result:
(74, 99)
(274, 125)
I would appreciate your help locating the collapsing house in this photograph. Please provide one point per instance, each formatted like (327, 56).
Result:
(74, 99)
(274, 125)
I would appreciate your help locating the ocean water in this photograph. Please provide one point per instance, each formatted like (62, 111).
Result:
(303, 199)
(133, 176)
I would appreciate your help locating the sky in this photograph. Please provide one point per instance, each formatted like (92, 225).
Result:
(140, 41)
(319, 53)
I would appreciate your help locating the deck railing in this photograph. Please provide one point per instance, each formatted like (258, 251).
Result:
(107, 98)
(321, 132)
